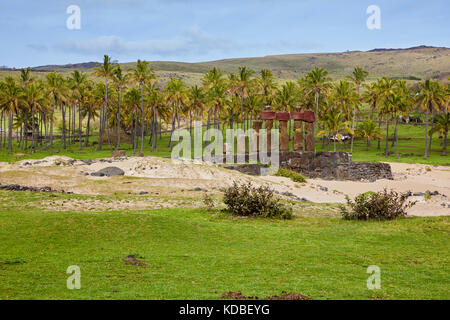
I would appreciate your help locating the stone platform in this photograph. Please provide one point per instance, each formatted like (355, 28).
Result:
(324, 165)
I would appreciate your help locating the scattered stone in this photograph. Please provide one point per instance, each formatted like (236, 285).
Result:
(17, 187)
(119, 154)
(288, 194)
(108, 171)
(198, 189)
(131, 260)
(283, 296)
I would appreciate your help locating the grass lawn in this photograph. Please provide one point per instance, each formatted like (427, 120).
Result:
(196, 254)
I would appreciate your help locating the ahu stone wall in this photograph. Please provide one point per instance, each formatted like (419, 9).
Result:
(334, 166)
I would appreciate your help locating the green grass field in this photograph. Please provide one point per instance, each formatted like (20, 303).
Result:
(196, 254)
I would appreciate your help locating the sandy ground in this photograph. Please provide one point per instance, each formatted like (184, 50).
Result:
(166, 178)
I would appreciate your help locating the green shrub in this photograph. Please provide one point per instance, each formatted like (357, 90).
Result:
(246, 200)
(294, 176)
(382, 205)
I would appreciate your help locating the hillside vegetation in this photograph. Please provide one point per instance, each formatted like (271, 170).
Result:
(413, 63)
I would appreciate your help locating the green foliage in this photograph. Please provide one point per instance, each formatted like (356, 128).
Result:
(294, 176)
(382, 205)
(248, 201)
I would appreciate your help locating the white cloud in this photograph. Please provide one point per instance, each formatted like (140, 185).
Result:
(191, 41)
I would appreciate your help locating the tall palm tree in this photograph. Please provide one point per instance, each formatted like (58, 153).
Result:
(140, 75)
(132, 101)
(429, 98)
(442, 124)
(197, 100)
(358, 76)
(78, 80)
(335, 124)
(244, 83)
(104, 70)
(10, 96)
(368, 130)
(55, 85)
(318, 82)
(176, 91)
(121, 80)
(267, 85)
(34, 97)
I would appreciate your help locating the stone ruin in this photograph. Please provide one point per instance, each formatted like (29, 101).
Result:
(304, 159)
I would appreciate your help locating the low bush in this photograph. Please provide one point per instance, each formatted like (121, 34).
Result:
(294, 176)
(247, 200)
(382, 205)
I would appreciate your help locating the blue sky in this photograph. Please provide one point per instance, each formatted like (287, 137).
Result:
(34, 32)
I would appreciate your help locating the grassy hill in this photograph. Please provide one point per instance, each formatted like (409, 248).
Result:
(413, 63)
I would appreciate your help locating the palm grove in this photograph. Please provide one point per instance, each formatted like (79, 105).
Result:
(134, 105)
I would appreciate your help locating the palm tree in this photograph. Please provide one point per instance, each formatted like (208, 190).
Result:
(430, 98)
(358, 76)
(34, 98)
(121, 80)
(442, 124)
(11, 93)
(78, 80)
(244, 82)
(318, 82)
(132, 99)
(141, 74)
(335, 124)
(197, 100)
(176, 95)
(267, 84)
(104, 70)
(55, 85)
(368, 130)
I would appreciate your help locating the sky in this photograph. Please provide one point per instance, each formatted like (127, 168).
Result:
(35, 32)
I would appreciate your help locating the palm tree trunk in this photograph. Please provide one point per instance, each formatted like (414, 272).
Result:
(444, 152)
(118, 119)
(10, 131)
(143, 119)
(379, 140)
(353, 128)
(431, 134)
(387, 136)
(242, 109)
(396, 136)
(426, 134)
(79, 127)
(86, 141)
(316, 98)
(51, 126)
(33, 138)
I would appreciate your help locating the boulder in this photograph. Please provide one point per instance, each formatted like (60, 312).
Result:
(108, 171)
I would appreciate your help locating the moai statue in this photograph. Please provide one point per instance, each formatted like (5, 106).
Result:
(268, 115)
(257, 124)
(298, 129)
(309, 118)
(283, 118)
